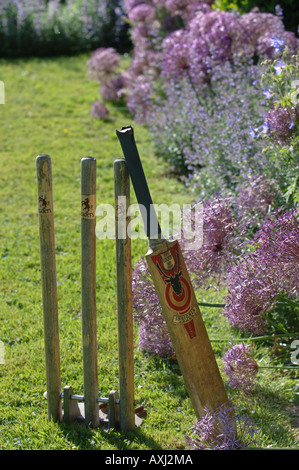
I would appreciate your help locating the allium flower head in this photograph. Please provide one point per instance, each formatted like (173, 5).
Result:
(139, 98)
(261, 28)
(255, 283)
(103, 62)
(142, 12)
(154, 336)
(281, 122)
(222, 430)
(218, 224)
(99, 110)
(175, 62)
(115, 88)
(253, 200)
(240, 367)
(130, 4)
(210, 262)
(278, 240)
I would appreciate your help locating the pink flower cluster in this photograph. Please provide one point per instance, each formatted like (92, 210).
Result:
(102, 67)
(255, 283)
(175, 38)
(103, 63)
(99, 110)
(180, 38)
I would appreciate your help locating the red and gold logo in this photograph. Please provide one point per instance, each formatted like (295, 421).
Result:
(177, 288)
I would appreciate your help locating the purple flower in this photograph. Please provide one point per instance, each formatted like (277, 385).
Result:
(175, 60)
(103, 62)
(253, 201)
(130, 4)
(240, 367)
(186, 39)
(268, 93)
(222, 429)
(260, 28)
(214, 37)
(281, 122)
(278, 240)
(278, 10)
(154, 336)
(139, 99)
(255, 283)
(115, 88)
(99, 110)
(279, 66)
(142, 12)
(208, 264)
(265, 128)
(254, 132)
(292, 125)
(277, 44)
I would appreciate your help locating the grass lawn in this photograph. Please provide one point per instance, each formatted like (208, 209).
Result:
(47, 110)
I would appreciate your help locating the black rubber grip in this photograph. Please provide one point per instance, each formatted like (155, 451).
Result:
(130, 151)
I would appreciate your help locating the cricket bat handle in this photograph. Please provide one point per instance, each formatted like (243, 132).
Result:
(127, 142)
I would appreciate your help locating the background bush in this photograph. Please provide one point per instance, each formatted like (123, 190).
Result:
(288, 7)
(47, 28)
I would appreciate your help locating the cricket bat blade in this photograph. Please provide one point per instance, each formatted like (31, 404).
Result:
(177, 297)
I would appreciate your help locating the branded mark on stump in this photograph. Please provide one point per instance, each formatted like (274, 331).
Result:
(43, 205)
(88, 206)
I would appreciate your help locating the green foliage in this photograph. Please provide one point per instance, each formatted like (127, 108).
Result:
(228, 5)
(285, 315)
(52, 28)
(282, 85)
(288, 9)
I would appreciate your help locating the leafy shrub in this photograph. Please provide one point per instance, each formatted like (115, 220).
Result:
(44, 28)
(285, 9)
(280, 130)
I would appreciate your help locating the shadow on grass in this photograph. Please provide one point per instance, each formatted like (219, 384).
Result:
(86, 438)
(271, 416)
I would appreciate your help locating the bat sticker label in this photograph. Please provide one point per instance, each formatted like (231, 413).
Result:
(177, 288)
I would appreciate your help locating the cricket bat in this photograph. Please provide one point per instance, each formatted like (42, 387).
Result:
(177, 298)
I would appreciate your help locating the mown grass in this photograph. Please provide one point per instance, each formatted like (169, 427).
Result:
(47, 110)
